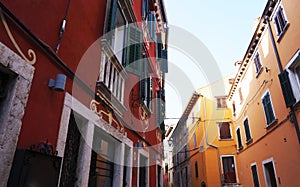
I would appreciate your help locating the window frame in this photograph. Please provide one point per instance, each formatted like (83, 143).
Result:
(294, 78)
(239, 147)
(270, 160)
(145, 154)
(257, 63)
(219, 130)
(221, 102)
(273, 111)
(280, 11)
(196, 170)
(250, 138)
(241, 97)
(258, 180)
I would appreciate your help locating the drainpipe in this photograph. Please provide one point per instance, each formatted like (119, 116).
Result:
(211, 145)
(292, 110)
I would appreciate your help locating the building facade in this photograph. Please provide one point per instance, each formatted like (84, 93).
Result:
(82, 92)
(264, 100)
(212, 141)
(206, 129)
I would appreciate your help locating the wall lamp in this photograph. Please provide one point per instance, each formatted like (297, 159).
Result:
(59, 83)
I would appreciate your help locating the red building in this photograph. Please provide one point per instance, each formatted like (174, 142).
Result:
(82, 92)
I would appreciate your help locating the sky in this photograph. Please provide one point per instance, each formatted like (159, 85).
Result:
(224, 28)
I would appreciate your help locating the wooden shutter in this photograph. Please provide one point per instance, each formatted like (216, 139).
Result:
(134, 49)
(111, 21)
(286, 89)
(158, 46)
(158, 112)
(247, 130)
(225, 130)
(149, 92)
(268, 108)
(238, 133)
(143, 80)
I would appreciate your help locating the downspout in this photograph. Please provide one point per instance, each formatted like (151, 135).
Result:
(293, 117)
(211, 145)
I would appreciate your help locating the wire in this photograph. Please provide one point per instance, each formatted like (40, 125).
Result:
(247, 104)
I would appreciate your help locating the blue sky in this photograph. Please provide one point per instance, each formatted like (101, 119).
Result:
(224, 27)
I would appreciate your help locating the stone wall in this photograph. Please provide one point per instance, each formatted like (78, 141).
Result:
(11, 120)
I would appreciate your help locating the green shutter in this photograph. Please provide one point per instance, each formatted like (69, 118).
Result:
(164, 61)
(286, 89)
(268, 108)
(158, 112)
(149, 92)
(158, 46)
(143, 79)
(134, 49)
(111, 22)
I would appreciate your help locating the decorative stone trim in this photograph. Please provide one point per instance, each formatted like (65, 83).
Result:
(93, 120)
(11, 121)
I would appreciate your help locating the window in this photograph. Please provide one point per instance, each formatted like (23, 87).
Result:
(119, 42)
(233, 108)
(224, 130)
(254, 175)
(185, 151)
(221, 102)
(239, 138)
(241, 95)
(269, 172)
(143, 168)
(293, 74)
(146, 85)
(247, 130)
(268, 108)
(125, 43)
(280, 21)
(196, 169)
(145, 8)
(152, 25)
(195, 141)
(257, 63)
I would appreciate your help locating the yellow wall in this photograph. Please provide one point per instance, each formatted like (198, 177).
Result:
(207, 132)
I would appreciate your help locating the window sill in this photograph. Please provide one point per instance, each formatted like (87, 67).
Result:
(240, 148)
(280, 36)
(225, 139)
(249, 141)
(270, 125)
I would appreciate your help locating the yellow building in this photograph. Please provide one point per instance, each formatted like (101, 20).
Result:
(265, 100)
(204, 141)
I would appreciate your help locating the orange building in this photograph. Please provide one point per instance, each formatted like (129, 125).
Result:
(264, 98)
